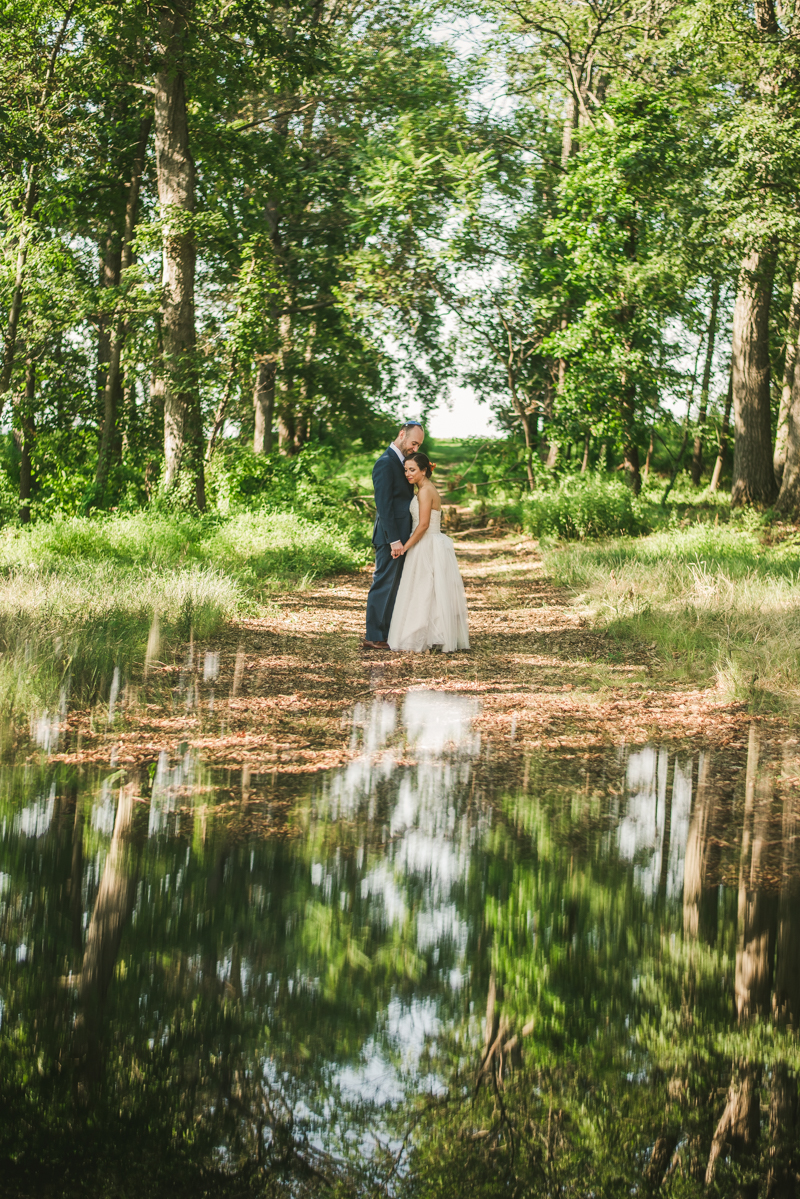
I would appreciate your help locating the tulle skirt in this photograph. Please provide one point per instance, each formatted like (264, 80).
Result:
(431, 608)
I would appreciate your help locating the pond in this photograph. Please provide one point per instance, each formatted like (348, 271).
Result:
(452, 965)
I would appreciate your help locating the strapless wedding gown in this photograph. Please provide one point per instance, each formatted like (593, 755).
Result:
(431, 608)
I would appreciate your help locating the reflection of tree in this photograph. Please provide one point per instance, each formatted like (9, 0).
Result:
(781, 1181)
(112, 908)
(589, 1046)
(757, 908)
(701, 861)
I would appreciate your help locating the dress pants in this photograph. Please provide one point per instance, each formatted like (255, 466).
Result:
(383, 592)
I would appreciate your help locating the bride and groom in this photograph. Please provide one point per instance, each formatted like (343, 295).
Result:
(416, 601)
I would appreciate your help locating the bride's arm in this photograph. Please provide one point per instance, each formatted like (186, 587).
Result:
(425, 504)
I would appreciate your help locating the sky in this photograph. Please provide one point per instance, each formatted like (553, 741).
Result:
(462, 416)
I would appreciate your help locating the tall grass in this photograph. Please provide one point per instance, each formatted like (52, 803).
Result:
(720, 604)
(78, 596)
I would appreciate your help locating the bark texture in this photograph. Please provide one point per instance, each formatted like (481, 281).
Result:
(264, 406)
(788, 502)
(724, 434)
(183, 434)
(753, 473)
(782, 430)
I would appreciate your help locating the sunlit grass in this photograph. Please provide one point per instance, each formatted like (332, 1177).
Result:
(720, 605)
(78, 596)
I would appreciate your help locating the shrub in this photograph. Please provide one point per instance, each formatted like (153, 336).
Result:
(581, 508)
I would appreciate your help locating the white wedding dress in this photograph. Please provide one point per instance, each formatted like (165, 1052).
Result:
(431, 608)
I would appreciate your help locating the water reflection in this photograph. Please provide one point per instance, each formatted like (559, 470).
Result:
(435, 969)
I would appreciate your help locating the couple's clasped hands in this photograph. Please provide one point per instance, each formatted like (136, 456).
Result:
(398, 549)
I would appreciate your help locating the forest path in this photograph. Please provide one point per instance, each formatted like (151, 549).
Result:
(288, 680)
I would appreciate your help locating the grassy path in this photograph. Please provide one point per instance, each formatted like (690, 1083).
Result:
(287, 681)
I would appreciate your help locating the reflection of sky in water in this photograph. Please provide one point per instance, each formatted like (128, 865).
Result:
(34, 820)
(651, 781)
(432, 736)
(435, 731)
(408, 1027)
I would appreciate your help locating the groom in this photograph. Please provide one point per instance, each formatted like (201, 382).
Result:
(393, 494)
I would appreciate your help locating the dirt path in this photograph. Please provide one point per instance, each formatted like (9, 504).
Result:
(286, 681)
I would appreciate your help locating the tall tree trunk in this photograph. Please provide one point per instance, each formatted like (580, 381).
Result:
(630, 450)
(113, 382)
(697, 456)
(585, 459)
(753, 473)
(788, 502)
(110, 259)
(724, 434)
(285, 404)
(183, 434)
(264, 405)
(27, 435)
(790, 357)
(23, 240)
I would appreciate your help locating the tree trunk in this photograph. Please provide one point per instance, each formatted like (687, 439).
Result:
(585, 460)
(113, 381)
(183, 434)
(264, 405)
(27, 437)
(724, 433)
(790, 357)
(286, 408)
(753, 473)
(110, 260)
(697, 457)
(788, 502)
(630, 450)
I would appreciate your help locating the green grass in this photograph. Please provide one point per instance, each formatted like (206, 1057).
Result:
(78, 596)
(720, 604)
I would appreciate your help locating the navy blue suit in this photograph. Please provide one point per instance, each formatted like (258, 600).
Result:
(393, 494)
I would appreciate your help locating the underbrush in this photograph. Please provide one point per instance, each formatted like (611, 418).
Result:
(721, 604)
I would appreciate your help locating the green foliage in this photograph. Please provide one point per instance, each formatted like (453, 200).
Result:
(580, 508)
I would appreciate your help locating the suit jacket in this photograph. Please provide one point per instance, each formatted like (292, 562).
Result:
(393, 494)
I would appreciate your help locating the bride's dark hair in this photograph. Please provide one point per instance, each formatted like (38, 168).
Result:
(423, 462)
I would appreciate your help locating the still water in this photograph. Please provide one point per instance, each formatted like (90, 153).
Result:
(451, 967)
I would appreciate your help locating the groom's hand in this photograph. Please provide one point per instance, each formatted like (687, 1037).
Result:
(397, 549)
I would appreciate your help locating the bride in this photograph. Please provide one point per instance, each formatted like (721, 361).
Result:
(431, 608)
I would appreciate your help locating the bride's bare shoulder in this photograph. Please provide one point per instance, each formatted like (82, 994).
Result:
(432, 495)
